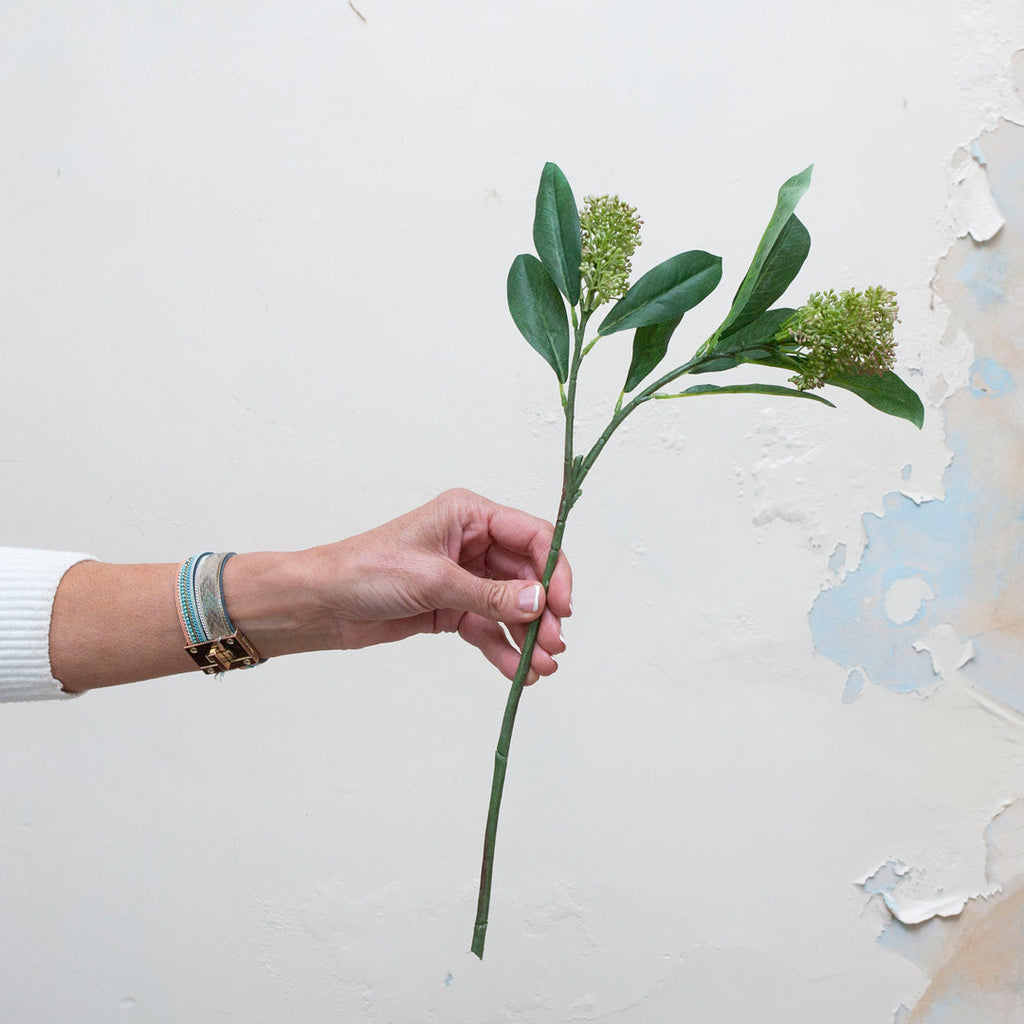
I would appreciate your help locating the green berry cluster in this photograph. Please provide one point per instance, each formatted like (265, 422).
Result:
(610, 232)
(851, 332)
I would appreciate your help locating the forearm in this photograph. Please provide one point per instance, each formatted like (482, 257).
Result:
(119, 623)
(457, 564)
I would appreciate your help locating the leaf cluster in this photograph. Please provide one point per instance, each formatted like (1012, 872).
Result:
(753, 331)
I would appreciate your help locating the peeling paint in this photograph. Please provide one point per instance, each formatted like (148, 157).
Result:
(939, 581)
(854, 686)
(947, 650)
(983, 979)
(905, 598)
(890, 882)
(971, 202)
(962, 551)
(977, 966)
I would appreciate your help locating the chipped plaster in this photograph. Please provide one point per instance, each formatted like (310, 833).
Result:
(940, 576)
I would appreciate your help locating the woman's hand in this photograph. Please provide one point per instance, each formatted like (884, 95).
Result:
(460, 563)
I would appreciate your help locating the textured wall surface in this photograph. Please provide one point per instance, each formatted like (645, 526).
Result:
(779, 776)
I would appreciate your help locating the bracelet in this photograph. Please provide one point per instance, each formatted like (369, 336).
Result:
(212, 641)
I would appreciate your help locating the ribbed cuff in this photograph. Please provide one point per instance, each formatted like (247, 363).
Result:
(28, 583)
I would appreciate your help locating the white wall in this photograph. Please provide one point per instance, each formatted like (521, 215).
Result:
(252, 296)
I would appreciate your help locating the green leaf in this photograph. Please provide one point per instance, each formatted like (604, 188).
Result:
(556, 232)
(755, 334)
(666, 292)
(716, 363)
(886, 393)
(779, 256)
(754, 343)
(650, 344)
(538, 311)
(747, 389)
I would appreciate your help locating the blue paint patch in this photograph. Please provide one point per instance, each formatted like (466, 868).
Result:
(448, 980)
(837, 560)
(930, 540)
(936, 542)
(985, 274)
(989, 379)
(885, 879)
(978, 154)
(854, 686)
(906, 471)
(969, 546)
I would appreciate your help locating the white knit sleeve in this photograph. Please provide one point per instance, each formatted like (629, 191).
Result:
(28, 582)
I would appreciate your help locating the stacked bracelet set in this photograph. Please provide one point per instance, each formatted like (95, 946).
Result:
(213, 643)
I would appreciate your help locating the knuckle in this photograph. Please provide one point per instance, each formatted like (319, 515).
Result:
(455, 496)
(494, 601)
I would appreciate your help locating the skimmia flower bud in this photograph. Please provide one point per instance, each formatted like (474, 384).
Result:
(851, 332)
(610, 232)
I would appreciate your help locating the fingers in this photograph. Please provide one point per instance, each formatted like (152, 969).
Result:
(560, 588)
(512, 600)
(549, 636)
(489, 637)
(485, 560)
(492, 531)
(525, 535)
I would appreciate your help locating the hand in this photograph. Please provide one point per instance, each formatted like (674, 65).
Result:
(459, 563)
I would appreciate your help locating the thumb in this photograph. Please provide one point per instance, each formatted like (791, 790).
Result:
(499, 600)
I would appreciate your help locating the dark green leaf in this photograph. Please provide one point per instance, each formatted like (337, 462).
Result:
(754, 343)
(886, 393)
(556, 232)
(779, 256)
(539, 312)
(756, 333)
(650, 344)
(780, 266)
(717, 363)
(751, 389)
(666, 292)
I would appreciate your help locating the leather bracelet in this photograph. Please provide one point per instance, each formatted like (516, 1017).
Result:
(212, 641)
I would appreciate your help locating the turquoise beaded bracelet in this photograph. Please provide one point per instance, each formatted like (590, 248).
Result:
(212, 641)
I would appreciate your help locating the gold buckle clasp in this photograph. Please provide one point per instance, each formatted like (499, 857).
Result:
(224, 654)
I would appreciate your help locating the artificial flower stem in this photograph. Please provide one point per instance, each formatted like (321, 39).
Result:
(570, 489)
(502, 749)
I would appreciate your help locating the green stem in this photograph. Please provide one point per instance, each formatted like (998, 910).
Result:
(573, 475)
(570, 487)
(501, 750)
(622, 411)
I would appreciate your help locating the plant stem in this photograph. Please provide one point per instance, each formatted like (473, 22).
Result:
(501, 750)
(573, 474)
(571, 480)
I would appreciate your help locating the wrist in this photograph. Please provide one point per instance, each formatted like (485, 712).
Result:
(269, 597)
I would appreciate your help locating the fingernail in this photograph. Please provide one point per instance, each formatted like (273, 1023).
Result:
(529, 598)
(561, 638)
(570, 606)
